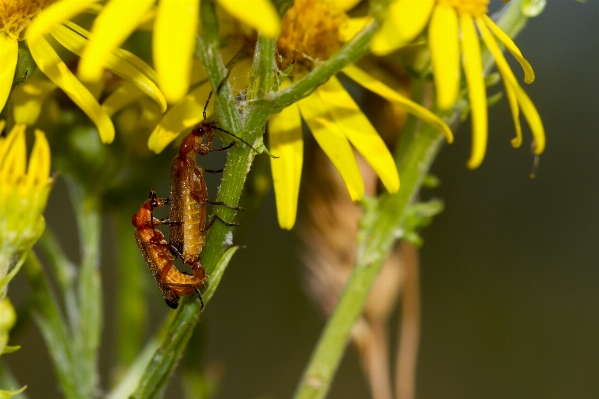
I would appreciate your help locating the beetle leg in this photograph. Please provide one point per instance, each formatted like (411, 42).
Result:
(235, 208)
(223, 221)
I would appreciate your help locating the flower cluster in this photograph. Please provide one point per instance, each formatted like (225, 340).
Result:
(302, 63)
(310, 33)
(453, 39)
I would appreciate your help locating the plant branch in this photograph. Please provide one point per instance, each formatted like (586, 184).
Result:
(64, 271)
(87, 335)
(378, 235)
(377, 238)
(352, 51)
(53, 327)
(132, 311)
(239, 161)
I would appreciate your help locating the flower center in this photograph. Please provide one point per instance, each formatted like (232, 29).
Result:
(475, 8)
(16, 15)
(310, 33)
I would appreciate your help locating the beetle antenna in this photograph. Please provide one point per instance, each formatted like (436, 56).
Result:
(229, 66)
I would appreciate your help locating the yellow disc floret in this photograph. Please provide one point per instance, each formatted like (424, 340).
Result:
(16, 15)
(310, 33)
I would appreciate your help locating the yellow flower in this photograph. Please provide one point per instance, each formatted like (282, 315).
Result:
(23, 196)
(175, 29)
(29, 21)
(312, 31)
(453, 36)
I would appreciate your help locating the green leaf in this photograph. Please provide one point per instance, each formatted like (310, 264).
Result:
(9, 394)
(11, 349)
(218, 273)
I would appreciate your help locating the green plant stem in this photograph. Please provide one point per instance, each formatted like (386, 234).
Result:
(207, 51)
(352, 51)
(130, 380)
(87, 335)
(172, 343)
(53, 328)
(264, 68)
(377, 237)
(132, 311)
(250, 126)
(9, 382)
(64, 271)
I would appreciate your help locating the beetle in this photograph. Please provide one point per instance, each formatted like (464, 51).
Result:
(188, 192)
(156, 252)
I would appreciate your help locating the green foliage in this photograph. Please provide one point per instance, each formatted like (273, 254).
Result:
(71, 322)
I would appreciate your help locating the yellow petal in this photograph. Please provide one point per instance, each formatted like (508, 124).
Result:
(38, 170)
(407, 18)
(369, 82)
(509, 80)
(259, 14)
(124, 55)
(124, 95)
(532, 117)
(285, 139)
(345, 5)
(333, 142)
(411, 17)
(55, 14)
(146, 24)
(529, 74)
(360, 132)
(175, 30)
(445, 54)
(112, 26)
(476, 90)
(121, 62)
(511, 84)
(28, 98)
(385, 39)
(52, 66)
(9, 50)
(199, 74)
(182, 116)
(12, 165)
(354, 25)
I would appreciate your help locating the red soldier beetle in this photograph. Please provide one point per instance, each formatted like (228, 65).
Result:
(156, 252)
(188, 193)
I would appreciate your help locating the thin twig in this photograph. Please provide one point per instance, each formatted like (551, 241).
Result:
(409, 326)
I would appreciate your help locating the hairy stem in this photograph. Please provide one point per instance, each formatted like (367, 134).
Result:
(249, 126)
(87, 334)
(381, 229)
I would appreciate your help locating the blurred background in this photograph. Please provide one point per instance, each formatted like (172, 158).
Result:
(509, 271)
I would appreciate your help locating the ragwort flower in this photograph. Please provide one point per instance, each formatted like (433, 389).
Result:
(27, 20)
(452, 34)
(175, 29)
(23, 195)
(312, 31)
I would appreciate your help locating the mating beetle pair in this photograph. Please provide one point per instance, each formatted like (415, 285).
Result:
(187, 218)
